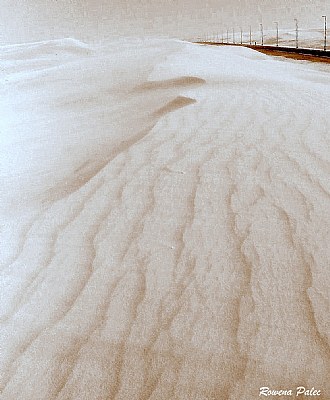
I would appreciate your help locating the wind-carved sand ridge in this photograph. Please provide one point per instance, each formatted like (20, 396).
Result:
(167, 239)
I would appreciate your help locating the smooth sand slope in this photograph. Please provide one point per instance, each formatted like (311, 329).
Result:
(164, 222)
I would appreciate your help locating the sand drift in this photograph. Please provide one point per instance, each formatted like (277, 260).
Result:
(164, 222)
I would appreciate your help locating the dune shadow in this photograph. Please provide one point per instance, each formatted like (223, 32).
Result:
(91, 167)
(182, 81)
(178, 102)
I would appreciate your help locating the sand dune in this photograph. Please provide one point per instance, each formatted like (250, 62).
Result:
(165, 225)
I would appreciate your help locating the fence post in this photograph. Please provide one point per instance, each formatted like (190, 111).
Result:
(325, 32)
(262, 34)
(296, 21)
(276, 23)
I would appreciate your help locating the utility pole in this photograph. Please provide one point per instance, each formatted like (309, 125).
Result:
(241, 36)
(296, 21)
(325, 32)
(227, 36)
(250, 35)
(233, 36)
(276, 23)
(262, 34)
(222, 37)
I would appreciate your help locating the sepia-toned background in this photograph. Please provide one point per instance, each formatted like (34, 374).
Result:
(26, 20)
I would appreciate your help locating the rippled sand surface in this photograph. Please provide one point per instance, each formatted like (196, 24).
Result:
(164, 222)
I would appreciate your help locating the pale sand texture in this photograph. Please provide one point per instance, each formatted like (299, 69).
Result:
(164, 222)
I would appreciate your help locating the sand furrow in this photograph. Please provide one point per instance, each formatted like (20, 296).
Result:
(180, 252)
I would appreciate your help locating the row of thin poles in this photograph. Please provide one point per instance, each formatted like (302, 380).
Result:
(277, 34)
